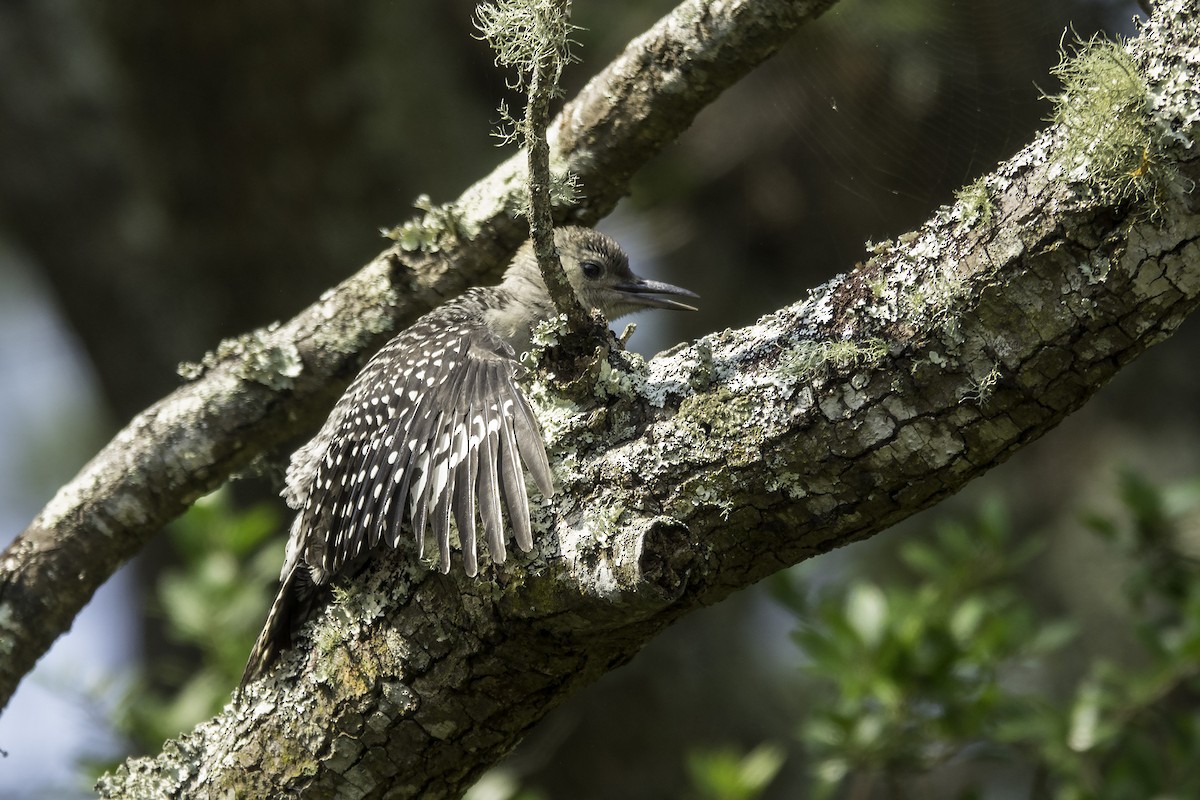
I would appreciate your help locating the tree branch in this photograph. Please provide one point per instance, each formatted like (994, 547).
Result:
(262, 389)
(734, 456)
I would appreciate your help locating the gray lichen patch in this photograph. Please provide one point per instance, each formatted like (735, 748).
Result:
(260, 356)
(1170, 73)
(623, 380)
(437, 227)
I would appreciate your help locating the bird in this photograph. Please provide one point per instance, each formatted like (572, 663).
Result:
(436, 426)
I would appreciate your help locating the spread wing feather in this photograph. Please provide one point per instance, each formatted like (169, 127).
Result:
(486, 487)
(464, 499)
(513, 478)
(449, 436)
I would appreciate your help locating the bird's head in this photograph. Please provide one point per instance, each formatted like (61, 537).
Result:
(598, 270)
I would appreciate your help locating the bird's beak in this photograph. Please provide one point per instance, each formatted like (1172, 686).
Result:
(641, 293)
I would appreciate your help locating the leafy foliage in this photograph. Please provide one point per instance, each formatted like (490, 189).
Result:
(951, 668)
(915, 672)
(1134, 731)
(726, 775)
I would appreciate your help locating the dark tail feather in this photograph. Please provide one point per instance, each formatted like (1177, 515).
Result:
(276, 634)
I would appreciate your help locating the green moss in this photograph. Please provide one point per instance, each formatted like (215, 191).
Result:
(1109, 141)
(975, 203)
(326, 639)
(808, 358)
(731, 423)
(931, 302)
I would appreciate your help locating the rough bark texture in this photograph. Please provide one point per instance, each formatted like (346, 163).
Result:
(262, 389)
(732, 457)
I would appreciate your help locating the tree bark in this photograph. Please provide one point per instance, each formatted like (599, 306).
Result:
(727, 459)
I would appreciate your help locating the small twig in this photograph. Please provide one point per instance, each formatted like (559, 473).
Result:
(533, 36)
(542, 85)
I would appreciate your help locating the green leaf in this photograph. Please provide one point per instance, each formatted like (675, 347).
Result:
(867, 612)
(726, 775)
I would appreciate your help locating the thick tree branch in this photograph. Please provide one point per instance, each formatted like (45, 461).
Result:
(732, 457)
(266, 387)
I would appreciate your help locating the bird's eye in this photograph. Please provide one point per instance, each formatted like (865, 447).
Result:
(591, 270)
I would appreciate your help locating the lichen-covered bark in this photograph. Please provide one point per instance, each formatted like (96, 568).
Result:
(729, 458)
(262, 389)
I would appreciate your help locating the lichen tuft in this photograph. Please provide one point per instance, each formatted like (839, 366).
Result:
(1108, 138)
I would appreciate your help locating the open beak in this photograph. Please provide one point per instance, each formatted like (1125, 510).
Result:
(642, 293)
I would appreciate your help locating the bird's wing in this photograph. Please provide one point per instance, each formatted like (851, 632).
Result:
(435, 427)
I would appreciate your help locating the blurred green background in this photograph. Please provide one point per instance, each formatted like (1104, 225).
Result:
(171, 174)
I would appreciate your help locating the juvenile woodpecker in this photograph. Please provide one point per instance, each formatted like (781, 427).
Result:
(436, 425)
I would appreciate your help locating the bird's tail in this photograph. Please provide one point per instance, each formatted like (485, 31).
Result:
(276, 634)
